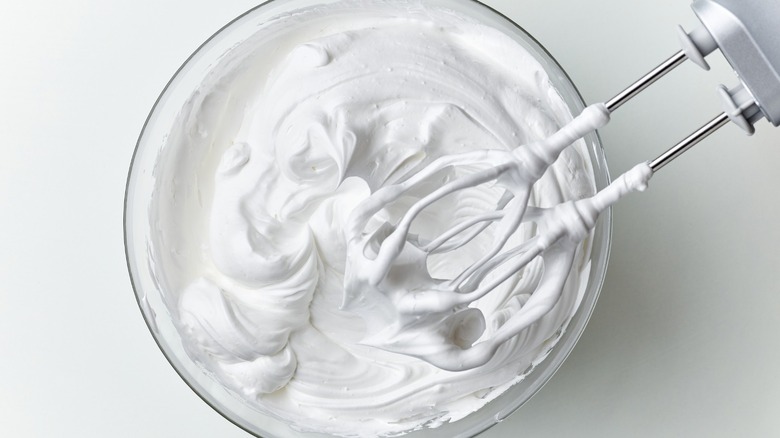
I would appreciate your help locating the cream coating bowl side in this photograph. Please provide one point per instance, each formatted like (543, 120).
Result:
(150, 284)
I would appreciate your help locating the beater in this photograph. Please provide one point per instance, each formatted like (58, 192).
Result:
(408, 311)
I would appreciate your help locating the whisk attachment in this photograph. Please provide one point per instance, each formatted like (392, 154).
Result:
(409, 311)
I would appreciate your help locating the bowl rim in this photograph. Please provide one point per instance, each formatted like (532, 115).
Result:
(583, 312)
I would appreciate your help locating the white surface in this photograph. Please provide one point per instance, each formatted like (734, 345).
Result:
(682, 342)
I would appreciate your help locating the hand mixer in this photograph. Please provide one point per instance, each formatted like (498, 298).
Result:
(408, 311)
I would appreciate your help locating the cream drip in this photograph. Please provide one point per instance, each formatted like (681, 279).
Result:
(296, 127)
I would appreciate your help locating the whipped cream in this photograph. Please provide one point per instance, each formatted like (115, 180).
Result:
(293, 129)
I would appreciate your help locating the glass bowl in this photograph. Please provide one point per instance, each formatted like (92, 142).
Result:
(142, 230)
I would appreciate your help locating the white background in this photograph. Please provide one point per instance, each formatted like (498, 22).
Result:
(683, 342)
